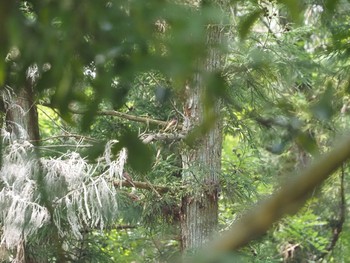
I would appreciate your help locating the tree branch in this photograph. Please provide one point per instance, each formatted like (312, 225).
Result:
(147, 138)
(127, 117)
(141, 185)
(122, 115)
(120, 227)
(287, 200)
(76, 136)
(66, 145)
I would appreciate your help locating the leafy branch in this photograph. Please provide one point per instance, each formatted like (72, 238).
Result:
(287, 200)
(337, 224)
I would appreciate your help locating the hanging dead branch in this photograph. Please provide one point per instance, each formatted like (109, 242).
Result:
(71, 185)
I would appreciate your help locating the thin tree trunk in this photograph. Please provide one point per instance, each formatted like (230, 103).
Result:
(202, 164)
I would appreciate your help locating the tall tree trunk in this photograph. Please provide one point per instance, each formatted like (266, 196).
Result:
(202, 164)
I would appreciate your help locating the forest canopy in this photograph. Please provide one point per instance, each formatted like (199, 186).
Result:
(161, 131)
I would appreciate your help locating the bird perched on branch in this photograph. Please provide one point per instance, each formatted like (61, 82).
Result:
(128, 178)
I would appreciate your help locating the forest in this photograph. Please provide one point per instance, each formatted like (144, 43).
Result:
(174, 131)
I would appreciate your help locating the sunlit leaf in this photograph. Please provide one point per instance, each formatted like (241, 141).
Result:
(2, 71)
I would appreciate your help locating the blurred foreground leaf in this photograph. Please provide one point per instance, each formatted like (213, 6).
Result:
(140, 156)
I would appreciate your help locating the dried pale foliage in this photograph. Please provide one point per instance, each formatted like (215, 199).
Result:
(81, 195)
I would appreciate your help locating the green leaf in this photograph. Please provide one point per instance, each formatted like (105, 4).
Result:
(89, 116)
(216, 86)
(2, 71)
(247, 23)
(330, 5)
(119, 94)
(308, 142)
(323, 109)
(140, 156)
(295, 9)
(95, 151)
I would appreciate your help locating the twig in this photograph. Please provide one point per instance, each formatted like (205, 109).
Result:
(126, 227)
(66, 145)
(153, 189)
(53, 121)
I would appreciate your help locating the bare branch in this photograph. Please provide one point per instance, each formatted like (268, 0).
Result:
(66, 145)
(147, 138)
(142, 185)
(123, 116)
(76, 136)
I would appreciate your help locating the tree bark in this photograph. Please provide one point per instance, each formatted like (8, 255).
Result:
(21, 114)
(202, 163)
(21, 125)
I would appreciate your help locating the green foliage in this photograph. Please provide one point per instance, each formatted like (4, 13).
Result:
(286, 100)
(119, 39)
(248, 22)
(47, 117)
(124, 246)
(304, 229)
(285, 89)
